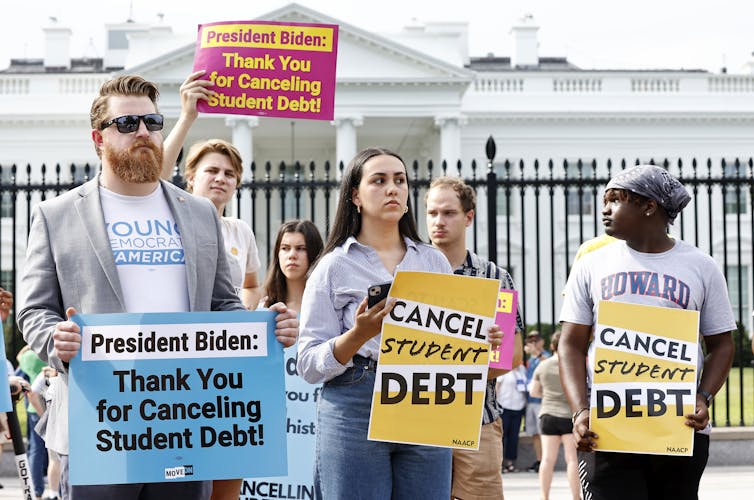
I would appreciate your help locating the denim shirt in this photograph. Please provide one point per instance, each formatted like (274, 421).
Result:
(334, 290)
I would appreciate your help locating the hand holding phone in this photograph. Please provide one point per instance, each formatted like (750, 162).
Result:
(377, 292)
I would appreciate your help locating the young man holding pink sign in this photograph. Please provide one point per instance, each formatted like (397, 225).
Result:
(450, 210)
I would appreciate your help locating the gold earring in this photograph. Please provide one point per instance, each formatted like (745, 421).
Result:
(405, 210)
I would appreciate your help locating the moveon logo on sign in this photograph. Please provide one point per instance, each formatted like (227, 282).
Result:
(179, 472)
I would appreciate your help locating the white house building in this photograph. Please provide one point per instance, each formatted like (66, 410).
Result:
(422, 94)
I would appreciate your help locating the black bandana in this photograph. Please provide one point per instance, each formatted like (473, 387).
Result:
(654, 183)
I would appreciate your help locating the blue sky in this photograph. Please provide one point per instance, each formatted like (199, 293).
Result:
(641, 34)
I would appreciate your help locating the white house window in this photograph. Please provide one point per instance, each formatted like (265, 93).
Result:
(6, 200)
(506, 203)
(6, 279)
(734, 288)
(117, 39)
(576, 204)
(735, 204)
(290, 194)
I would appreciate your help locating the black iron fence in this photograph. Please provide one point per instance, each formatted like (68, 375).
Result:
(532, 215)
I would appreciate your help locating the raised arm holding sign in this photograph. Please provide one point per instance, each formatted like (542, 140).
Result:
(268, 68)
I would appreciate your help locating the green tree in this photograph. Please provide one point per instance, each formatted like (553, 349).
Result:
(742, 343)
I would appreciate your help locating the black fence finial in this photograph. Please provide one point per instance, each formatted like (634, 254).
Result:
(490, 149)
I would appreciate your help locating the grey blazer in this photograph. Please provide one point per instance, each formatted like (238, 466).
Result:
(69, 263)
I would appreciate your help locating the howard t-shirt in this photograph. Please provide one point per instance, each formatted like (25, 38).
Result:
(148, 251)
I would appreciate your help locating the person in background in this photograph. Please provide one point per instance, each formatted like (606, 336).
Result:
(511, 398)
(554, 423)
(298, 245)
(374, 236)
(593, 244)
(214, 170)
(535, 349)
(17, 386)
(639, 204)
(30, 364)
(450, 211)
(6, 304)
(39, 398)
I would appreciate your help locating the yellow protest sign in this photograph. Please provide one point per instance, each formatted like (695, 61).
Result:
(644, 366)
(432, 369)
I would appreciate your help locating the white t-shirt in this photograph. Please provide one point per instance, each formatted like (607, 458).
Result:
(241, 247)
(511, 391)
(57, 411)
(682, 278)
(148, 251)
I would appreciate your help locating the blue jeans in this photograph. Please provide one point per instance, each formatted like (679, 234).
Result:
(511, 430)
(37, 454)
(348, 466)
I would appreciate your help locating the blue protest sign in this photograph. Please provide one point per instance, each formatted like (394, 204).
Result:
(176, 397)
(5, 403)
(301, 405)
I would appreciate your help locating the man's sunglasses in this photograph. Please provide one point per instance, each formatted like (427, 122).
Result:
(130, 123)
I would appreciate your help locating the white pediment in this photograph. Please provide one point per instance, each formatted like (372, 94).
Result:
(363, 57)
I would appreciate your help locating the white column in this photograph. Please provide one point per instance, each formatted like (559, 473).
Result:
(450, 141)
(345, 138)
(450, 151)
(242, 136)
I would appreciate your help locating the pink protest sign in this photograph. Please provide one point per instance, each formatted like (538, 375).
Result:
(267, 68)
(505, 318)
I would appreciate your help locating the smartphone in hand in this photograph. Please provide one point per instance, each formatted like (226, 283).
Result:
(377, 292)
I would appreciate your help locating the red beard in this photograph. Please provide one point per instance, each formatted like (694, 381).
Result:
(139, 164)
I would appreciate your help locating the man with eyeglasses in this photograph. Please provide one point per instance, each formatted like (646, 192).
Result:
(123, 242)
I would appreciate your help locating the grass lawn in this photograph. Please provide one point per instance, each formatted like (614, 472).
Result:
(722, 414)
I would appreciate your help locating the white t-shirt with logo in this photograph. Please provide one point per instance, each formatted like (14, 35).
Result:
(148, 251)
(241, 247)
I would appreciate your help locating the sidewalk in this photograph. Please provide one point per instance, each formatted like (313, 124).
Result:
(718, 483)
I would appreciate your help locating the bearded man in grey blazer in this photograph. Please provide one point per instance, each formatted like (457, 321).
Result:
(123, 242)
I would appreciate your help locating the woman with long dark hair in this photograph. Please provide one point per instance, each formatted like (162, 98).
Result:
(298, 245)
(373, 237)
